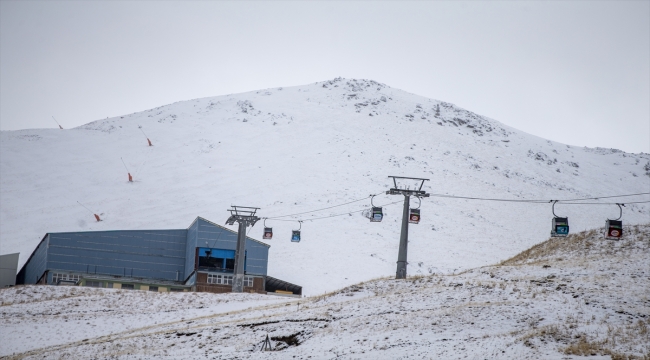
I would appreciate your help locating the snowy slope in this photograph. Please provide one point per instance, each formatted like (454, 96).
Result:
(565, 298)
(290, 150)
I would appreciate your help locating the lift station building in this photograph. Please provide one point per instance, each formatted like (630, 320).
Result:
(200, 258)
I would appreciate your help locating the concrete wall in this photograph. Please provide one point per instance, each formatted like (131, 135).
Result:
(8, 269)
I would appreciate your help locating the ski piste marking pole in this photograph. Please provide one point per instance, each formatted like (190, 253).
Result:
(90, 211)
(145, 135)
(127, 170)
(60, 127)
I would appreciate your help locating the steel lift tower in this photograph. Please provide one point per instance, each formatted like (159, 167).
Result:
(404, 236)
(245, 216)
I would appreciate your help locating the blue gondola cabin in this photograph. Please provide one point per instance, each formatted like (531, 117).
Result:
(560, 227)
(377, 214)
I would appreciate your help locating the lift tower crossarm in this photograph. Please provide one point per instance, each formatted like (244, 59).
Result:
(403, 241)
(244, 216)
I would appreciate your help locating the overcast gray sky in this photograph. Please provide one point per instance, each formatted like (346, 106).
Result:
(574, 72)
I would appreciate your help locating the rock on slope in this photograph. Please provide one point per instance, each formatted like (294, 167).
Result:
(292, 150)
(581, 295)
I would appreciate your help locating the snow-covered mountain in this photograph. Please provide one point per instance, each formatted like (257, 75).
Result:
(297, 149)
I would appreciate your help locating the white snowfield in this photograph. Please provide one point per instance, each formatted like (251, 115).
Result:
(562, 299)
(297, 149)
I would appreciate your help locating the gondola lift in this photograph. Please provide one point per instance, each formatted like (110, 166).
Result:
(414, 213)
(560, 225)
(614, 228)
(376, 215)
(295, 234)
(268, 232)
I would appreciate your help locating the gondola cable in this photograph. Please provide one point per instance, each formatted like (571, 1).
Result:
(311, 211)
(540, 201)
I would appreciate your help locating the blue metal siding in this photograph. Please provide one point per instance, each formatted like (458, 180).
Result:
(36, 265)
(154, 254)
(157, 254)
(190, 247)
(257, 258)
(216, 237)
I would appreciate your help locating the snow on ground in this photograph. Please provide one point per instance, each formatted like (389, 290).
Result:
(56, 315)
(297, 149)
(562, 299)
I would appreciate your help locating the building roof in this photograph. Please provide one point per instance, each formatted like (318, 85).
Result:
(225, 228)
(273, 284)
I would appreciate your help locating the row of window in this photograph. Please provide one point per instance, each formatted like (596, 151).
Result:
(227, 280)
(56, 277)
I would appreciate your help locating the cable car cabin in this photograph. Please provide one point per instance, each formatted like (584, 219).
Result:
(560, 227)
(414, 216)
(377, 214)
(295, 236)
(268, 233)
(613, 229)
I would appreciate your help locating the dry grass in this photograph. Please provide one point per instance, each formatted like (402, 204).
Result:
(586, 348)
(582, 244)
(580, 344)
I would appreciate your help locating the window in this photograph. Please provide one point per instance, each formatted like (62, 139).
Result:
(230, 264)
(216, 259)
(56, 277)
(176, 289)
(220, 279)
(211, 262)
(128, 287)
(153, 288)
(228, 279)
(95, 284)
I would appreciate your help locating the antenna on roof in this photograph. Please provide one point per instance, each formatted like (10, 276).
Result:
(145, 135)
(96, 216)
(60, 127)
(127, 171)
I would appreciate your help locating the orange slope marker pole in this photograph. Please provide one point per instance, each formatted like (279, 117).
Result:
(145, 135)
(127, 171)
(60, 127)
(96, 216)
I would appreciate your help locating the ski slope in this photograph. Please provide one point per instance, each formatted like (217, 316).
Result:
(297, 149)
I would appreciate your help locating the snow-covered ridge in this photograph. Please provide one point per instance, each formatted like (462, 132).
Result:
(296, 149)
